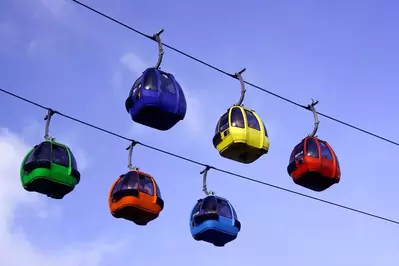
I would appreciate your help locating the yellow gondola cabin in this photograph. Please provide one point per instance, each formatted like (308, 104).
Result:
(240, 134)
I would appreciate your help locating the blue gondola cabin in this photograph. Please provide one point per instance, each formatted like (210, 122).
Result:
(156, 100)
(214, 220)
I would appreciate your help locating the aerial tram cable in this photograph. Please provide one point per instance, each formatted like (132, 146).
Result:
(151, 37)
(369, 214)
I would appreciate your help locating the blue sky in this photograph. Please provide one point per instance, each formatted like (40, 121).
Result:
(342, 53)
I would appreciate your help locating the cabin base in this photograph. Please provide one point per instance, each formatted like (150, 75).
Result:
(154, 117)
(315, 181)
(48, 187)
(215, 237)
(242, 152)
(135, 215)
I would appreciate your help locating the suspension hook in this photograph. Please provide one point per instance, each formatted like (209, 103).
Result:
(204, 187)
(50, 113)
(243, 90)
(129, 159)
(156, 37)
(316, 118)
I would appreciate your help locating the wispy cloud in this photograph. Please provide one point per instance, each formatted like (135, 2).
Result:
(14, 244)
(56, 7)
(9, 36)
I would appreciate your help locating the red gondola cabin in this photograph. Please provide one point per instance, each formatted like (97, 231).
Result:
(314, 165)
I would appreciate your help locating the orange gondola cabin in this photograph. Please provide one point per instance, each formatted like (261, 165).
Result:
(135, 196)
(314, 165)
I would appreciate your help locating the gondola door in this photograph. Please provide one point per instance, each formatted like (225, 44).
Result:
(168, 92)
(252, 128)
(326, 158)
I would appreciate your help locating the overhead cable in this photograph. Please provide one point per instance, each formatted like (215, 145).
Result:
(369, 214)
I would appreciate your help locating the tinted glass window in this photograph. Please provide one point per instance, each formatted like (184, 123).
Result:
(31, 156)
(217, 127)
(234, 214)
(209, 205)
(128, 181)
(167, 84)
(151, 80)
(325, 151)
(40, 152)
(158, 190)
(252, 121)
(73, 160)
(311, 148)
(224, 208)
(117, 186)
(237, 119)
(297, 152)
(196, 209)
(137, 84)
(146, 185)
(60, 155)
(264, 128)
(224, 122)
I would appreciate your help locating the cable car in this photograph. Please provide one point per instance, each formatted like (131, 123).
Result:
(50, 169)
(313, 163)
(135, 196)
(156, 99)
(214, 220)
(240, 134)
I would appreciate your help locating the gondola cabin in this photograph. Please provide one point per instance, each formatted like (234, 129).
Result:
(135, 196)
(156, 100)
(214, 220)
(314, 165)
(241, 135)
(50, 169)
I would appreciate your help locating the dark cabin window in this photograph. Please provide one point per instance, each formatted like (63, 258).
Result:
(297, 152)
(128, 181)
(136, 85)
(264, 128)
(252, 121)
(325, 151)
(60, 155)
(74, 164)
(196, 209)
(151, 80)
(117, 186)
(217, 128)
(311, 148)
(234, 214)
(224, 122)
(224, 209)
(146, 185)
(41, 152)
(209, 205)
(158, 190)
(237, 119)
(167, 84)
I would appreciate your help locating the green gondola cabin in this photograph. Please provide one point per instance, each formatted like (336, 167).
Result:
(50, 169)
